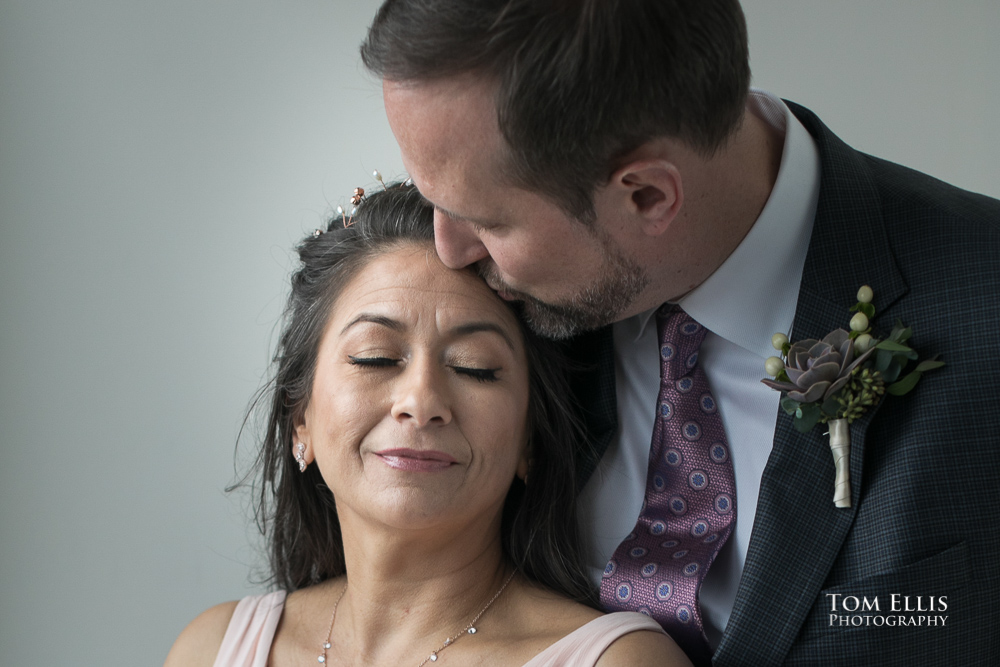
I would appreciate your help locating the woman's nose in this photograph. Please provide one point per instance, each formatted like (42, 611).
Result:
(422, 396)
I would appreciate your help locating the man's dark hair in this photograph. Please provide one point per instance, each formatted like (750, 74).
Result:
(580, 83)
(297, 511)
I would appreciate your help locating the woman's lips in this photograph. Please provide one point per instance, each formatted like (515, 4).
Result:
(416, 460)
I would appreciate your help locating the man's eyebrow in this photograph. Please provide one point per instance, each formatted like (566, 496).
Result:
(476, 327)
(388, 322)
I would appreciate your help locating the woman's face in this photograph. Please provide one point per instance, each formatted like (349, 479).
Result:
(418, 411)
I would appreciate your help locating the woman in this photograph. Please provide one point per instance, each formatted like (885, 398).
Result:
(417, 475)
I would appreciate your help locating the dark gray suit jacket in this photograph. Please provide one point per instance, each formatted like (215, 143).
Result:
(925, 467)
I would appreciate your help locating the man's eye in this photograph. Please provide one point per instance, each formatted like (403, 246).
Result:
(378, 362)
(481, 374)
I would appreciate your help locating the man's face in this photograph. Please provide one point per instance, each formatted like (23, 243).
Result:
(570, 276)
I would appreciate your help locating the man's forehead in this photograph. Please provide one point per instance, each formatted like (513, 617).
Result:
(447, 132)
(463, 96)
(443, 119)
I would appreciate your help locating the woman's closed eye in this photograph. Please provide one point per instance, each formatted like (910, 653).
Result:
(376, 362)
(481, 374)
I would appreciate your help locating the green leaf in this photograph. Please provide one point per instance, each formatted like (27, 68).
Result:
(892, 372)
(868, 309)
(831, 406)
(893, 346)
(905, 385)
(782, 376)
(899, 335)
(925, 366)
(882, 360)
(900, 360)
(928, 365)
(789, 405)
(810, 416)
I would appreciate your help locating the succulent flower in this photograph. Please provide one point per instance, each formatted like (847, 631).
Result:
(817, 370)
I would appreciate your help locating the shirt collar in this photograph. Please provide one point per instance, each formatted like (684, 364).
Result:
(752, 295)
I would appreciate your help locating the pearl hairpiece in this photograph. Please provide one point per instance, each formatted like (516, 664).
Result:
(357, 198)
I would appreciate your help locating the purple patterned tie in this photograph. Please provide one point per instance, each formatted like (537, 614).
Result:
(689, 510)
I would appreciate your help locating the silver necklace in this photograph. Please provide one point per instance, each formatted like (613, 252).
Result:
(469, 629)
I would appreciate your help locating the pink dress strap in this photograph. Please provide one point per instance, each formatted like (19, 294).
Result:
(585, 645)
(251, 630)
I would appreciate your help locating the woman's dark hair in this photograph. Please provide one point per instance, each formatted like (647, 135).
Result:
(580, 83)
(297, 511)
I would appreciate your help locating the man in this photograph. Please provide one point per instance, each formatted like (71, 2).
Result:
(597, 160)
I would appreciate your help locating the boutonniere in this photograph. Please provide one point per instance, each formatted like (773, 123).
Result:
(837, 379)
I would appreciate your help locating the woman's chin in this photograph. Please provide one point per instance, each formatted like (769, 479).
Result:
(417, 508)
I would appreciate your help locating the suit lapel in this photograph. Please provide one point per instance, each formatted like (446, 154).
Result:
(797, 531)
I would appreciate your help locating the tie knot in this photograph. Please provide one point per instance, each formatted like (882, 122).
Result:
(680, 338)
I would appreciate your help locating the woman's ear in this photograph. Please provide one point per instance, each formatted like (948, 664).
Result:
(524, 463)
(302, 443)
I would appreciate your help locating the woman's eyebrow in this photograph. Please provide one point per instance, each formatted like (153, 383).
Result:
(476, 327)
(387, 322)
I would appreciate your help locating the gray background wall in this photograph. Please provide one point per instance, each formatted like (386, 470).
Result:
(157, 163)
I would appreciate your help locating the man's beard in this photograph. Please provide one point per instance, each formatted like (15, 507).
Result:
(617, 285)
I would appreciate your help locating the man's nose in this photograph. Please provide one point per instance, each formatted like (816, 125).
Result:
(457, 241)
(421, 396)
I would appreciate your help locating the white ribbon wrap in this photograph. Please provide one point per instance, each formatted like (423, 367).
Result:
(840, 445)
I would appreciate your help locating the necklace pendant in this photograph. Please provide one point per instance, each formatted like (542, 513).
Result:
(434, 657)
(472, 630)
(326, 644)
(322, 658)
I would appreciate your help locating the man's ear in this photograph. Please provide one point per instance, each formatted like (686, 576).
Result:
(652, 190)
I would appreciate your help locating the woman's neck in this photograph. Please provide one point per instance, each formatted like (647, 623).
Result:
(405, 590)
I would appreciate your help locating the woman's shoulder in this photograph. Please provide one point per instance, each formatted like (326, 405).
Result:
(641, 644)
(199, 642)
(589, 637)
(546, 612)
(228, 629)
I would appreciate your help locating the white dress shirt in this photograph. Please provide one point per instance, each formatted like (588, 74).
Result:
(746, 300)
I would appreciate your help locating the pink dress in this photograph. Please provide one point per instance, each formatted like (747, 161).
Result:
(251, 631)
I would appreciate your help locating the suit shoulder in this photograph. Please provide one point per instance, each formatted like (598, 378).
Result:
(918, 197)
(199, 642)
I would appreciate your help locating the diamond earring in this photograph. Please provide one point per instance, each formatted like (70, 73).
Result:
(300, 450)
